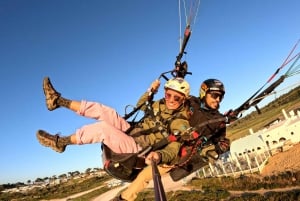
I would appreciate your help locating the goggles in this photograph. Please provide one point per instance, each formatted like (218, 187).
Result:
(216, 95)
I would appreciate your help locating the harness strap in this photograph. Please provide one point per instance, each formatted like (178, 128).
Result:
(221, 119)
(160, 122)
(184, 152)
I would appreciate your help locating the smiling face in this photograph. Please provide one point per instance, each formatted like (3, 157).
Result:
(173, 99)
(213, 99)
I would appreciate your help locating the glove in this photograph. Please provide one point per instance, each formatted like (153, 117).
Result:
(231, 116)
(223, 146)
(154, 86)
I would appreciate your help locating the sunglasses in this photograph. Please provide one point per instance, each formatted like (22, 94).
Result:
(175, 97)
(216, 95)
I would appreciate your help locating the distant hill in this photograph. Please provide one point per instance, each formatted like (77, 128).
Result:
(270, 112)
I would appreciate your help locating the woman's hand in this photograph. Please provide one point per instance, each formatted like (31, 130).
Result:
(156, 156)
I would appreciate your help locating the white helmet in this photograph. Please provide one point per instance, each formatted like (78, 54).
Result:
(179, 85)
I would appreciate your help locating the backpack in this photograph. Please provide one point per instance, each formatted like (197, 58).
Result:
(123, 166)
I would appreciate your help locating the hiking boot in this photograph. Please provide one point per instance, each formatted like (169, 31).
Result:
(51, 141)
(51, 94)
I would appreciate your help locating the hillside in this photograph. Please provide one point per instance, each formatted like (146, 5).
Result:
(268, 113)
(283, 161)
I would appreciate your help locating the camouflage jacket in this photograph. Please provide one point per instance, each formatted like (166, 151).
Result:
(159, 125)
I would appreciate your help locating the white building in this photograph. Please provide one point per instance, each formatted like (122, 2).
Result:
(277, 134)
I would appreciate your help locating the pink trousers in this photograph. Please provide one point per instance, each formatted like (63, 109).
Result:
(109, 129)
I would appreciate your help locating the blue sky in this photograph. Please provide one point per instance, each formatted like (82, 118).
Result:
(111, 51)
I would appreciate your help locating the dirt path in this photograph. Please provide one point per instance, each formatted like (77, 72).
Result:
(109, 194)
(283, 161)
(75, 195)
(263, 191)
(168, 183)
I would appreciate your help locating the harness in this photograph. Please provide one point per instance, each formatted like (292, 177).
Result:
(154, 114)
(126, 166)
(193, 142)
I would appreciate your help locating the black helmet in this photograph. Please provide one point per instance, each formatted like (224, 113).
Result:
(211, 85)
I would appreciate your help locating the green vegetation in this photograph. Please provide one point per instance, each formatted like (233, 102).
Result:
(62, 190)
(208, 189)
(91, 195)
(269, 113)
(236, 189)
